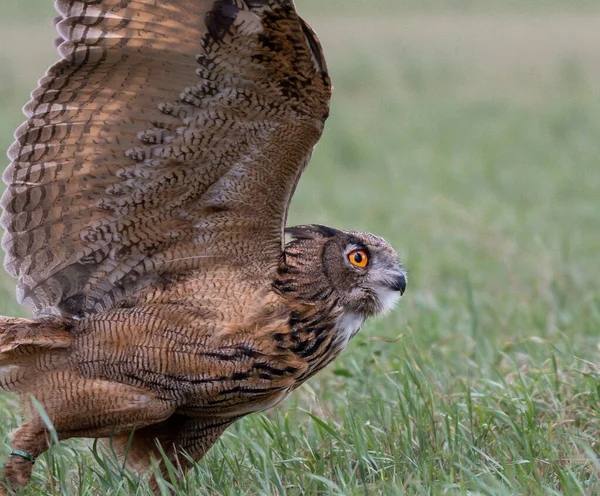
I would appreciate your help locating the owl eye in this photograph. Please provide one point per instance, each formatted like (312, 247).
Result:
(358, 258)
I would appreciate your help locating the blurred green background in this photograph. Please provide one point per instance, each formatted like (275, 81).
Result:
(467, 133)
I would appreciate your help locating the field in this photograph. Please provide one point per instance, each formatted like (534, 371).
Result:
(468, 135)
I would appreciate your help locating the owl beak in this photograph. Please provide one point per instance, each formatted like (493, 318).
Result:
(399, 283)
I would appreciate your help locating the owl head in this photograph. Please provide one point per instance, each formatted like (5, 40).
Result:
(360, 271)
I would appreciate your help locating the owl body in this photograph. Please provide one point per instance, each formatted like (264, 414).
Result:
(144, 218)
(171, 342)
(176, 349)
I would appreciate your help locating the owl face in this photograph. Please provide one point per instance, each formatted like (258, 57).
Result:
(362, 271)
(369, 278)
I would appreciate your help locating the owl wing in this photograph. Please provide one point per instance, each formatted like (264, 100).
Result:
(169, 137)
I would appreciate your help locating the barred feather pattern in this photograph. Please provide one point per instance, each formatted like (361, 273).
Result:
(167, 140)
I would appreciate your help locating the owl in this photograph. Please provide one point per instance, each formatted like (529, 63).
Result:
(145, 222)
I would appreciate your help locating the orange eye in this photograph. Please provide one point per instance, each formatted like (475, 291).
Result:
(358, 258)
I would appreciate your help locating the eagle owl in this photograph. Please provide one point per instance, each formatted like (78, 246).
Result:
(144, 219)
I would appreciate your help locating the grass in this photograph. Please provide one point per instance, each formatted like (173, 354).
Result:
(480, 164)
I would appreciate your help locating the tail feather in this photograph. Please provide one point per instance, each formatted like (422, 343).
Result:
(27, 347)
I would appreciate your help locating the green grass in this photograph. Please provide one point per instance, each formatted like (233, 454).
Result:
(482, 170)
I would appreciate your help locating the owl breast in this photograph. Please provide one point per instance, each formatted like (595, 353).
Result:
(338, 336)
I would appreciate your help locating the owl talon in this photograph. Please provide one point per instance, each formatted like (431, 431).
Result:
(17, 473)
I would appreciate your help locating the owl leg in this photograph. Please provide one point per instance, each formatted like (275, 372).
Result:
(181, 438)
(83, 408)
(139, 448)
(28, 443)
(194, 437)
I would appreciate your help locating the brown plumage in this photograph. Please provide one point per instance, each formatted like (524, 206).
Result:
(144, 217)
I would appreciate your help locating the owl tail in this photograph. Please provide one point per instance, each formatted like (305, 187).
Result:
(29, 347)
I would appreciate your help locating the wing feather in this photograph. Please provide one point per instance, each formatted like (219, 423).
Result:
(169, 134)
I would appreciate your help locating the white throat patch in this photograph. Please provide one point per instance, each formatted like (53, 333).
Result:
(346, 327)
(387, 298)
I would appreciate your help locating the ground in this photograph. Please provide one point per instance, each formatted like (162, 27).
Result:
(466, 134)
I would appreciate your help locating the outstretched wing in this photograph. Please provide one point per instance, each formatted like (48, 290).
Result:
(171, 135)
